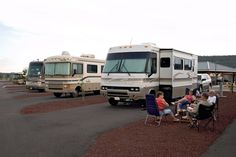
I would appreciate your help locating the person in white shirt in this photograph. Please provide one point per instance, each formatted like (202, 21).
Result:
(212, 97)
(193, 108)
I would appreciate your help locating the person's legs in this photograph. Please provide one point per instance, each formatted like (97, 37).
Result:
(181, 106)
(190, 116)
(177, 109)
(168, 111)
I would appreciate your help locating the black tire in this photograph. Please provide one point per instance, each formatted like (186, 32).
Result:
(208, 89)
(113, 102)
(200, 89)
(41, 90)
(58, 95)
(74, 94)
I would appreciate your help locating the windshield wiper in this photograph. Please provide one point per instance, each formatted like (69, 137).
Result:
(123, 66)
(115, 66)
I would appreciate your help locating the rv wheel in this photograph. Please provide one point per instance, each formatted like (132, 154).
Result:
(200, 89)
(58, 95)
(113, 102)
(41, 90)
(74, 94)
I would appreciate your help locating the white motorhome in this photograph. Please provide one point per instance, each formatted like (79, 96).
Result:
(35, 76)
(66, 74)
(133, 71)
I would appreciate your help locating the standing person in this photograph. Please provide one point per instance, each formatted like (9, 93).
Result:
(163, 106)
(212, 97)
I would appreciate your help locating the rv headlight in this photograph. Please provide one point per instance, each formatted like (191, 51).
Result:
(104, 88)
(136, 89)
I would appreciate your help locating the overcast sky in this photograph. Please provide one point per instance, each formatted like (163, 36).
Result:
(37, 29)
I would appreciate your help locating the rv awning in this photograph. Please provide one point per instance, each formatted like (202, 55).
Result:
(213, 67)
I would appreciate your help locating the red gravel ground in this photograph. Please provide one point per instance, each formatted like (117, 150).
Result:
(169, 139)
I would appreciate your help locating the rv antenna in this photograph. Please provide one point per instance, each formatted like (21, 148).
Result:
(131, 41)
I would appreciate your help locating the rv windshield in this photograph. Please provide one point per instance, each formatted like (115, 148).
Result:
(128, 62)
(35, 69)
(57, 69)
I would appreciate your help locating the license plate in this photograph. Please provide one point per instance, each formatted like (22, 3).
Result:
(116, 98)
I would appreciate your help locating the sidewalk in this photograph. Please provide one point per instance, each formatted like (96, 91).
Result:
(225, 145)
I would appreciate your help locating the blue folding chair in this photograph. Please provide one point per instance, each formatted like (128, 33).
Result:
(152, 109)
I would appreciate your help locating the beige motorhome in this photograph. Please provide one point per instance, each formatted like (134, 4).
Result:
(133, 71)
(35, 76)
(66, 74)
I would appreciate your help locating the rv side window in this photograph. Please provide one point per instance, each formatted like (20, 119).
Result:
(187, 64)
(78, 68)
(92, 68)
(154, 65)
(165, 62)
(178, 63)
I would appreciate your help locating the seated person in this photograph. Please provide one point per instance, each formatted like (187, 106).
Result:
(192, 110)
(212, 97)
(163, 106)
(182, 103)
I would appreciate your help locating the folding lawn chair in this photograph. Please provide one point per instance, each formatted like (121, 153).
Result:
(204, 113)
(152, 109)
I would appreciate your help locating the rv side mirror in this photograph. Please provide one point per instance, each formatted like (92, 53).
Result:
(153, 70)
(74, 72)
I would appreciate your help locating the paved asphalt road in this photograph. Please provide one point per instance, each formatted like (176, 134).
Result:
(225, 145)
(66, 133)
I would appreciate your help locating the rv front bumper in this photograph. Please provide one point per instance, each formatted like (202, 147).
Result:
(124, 93)
(60, 88)
(35, 85)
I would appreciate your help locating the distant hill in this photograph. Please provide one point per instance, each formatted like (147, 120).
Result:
(229, 60)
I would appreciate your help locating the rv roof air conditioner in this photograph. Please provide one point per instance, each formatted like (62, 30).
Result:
(65, 53)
